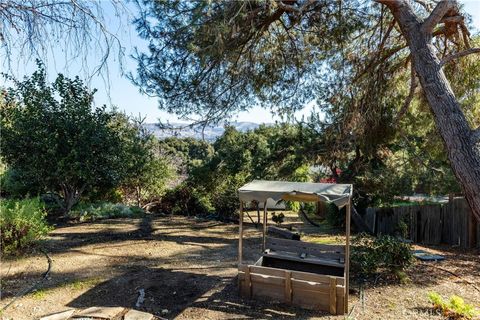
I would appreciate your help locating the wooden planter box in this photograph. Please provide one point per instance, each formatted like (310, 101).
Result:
(300, 279)
(312, 276)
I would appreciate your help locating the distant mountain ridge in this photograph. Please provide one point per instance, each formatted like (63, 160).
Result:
(211, 133)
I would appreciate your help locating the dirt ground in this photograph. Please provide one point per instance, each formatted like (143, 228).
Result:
(187, 268)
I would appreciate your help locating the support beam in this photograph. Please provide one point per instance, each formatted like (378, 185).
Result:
(240, 236)
(347, 251)
(265, 218)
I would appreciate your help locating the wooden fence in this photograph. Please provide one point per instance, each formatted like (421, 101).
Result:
(450, 223)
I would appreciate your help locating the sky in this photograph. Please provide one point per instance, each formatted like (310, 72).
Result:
(120, 92)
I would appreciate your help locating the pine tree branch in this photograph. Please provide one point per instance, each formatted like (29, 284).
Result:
(457, 55)
(411, 94)
(437, 15)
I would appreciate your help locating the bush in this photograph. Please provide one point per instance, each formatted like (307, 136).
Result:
(185, 200)
(104, 210)
(455, 308)
(14, 184)
(335, 217)
(22, 223)
(225, 196)
(371, 255)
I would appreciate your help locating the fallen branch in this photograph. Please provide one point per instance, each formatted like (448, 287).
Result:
(455, 275)
(32, 287)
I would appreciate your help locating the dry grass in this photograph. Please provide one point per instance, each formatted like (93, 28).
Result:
(188, 267)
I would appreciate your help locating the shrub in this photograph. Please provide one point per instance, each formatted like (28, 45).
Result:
(185, 200)
(225, 196)
(53, 204)
(104, 210)
(22, 223)
(371, 255)
(14, 184)
(455, 308)
(335, 217)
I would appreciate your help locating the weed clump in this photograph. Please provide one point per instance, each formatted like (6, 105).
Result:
(22, 224)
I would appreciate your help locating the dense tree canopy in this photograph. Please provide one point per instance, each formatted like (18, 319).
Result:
(54, 140)
(51, 134)
(352, 58)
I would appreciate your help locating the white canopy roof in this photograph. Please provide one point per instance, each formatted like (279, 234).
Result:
(261, 190)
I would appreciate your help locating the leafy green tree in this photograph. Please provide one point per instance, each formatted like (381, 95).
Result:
(146, 172)
(55, 139)
(185, 155)
(268, 152)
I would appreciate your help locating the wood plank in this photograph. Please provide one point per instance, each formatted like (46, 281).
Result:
(265, 222)
(340, 299)
(320, 278)
(100, 312)
(248, 283)
(267, 271)
(310, 286)
(270, 291)
(339, 257)
(284, 233)
(137, 315)
(347, 251)
(308, 259)
(333, 296)
(288, 286)
(264, 279)
(240, 235)
(313, 247)
(311, 299)
(64, 315)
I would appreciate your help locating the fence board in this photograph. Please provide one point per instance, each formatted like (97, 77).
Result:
(449, 223)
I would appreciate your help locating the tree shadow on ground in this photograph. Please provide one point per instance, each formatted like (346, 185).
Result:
(65, 239)
(168, 293)
(164, 290)
(459, 265)
(227, 301)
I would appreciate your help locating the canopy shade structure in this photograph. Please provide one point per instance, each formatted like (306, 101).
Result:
(261, 190)
(278, 271)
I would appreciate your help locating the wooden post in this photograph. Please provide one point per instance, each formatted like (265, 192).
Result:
(333, 295)
(347, 251)
(248, 282)
(240, 236)
(288, 286)
(264, 226)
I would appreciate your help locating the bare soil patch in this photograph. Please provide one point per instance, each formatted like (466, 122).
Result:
(187, 268)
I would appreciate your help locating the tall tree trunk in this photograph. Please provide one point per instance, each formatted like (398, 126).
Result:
(461, 142)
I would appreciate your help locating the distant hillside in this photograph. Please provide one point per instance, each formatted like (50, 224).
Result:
(211, 133)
